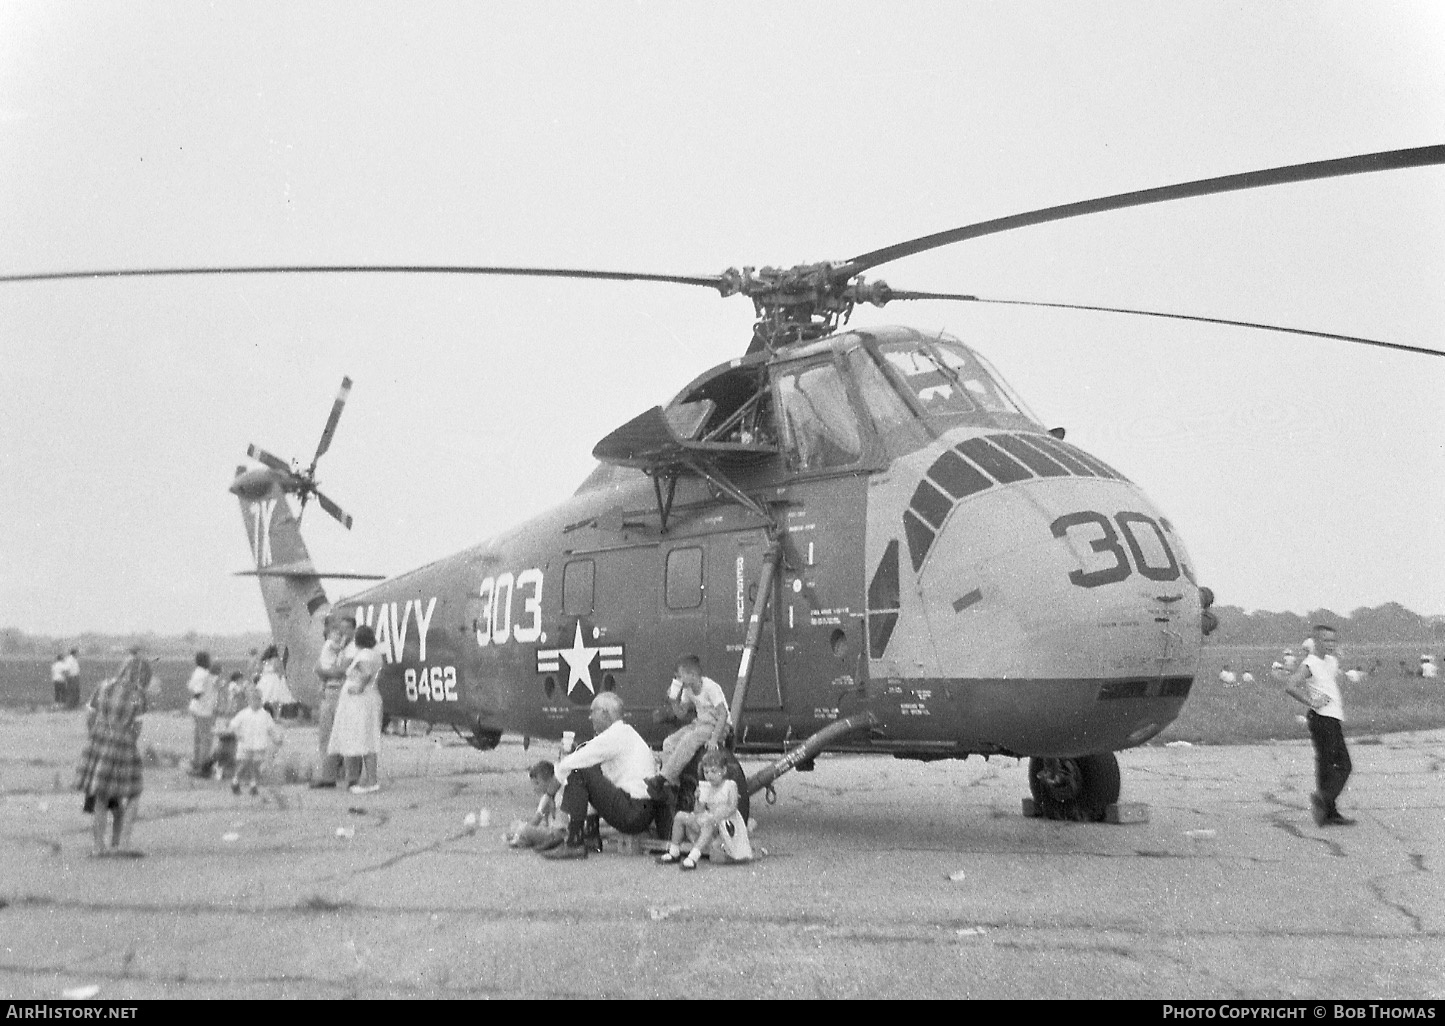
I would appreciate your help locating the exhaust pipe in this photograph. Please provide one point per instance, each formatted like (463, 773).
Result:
(810, 747)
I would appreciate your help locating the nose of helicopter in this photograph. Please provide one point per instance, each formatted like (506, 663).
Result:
(1067, 593)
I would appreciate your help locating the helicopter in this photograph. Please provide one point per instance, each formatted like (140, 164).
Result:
(866, 534)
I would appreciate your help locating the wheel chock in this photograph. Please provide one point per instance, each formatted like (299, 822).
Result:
(1126, 812)
(1117, 813)
(625, 844)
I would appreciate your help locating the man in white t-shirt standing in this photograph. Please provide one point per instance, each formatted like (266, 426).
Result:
(1316, 683)
(692, 692)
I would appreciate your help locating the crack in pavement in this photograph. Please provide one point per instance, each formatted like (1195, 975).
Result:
(347, 985)
(1333, 848)
(1376, 884)
(904, 929)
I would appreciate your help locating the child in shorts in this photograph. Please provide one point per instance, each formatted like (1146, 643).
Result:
(540, 831)
(257, 738)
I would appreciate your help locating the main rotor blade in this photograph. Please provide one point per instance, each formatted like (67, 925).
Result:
(262, 456)
(1390, 160)
(336, 511)
(711, 281)
(330, 428)
(1171, 316)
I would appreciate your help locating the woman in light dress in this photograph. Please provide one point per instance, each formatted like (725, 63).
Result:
(356, 731)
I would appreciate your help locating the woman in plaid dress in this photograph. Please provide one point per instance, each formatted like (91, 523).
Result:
(110, 767)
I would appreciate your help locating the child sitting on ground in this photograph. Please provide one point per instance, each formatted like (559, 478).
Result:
(257, 738)
(539, 831)
(715, 817)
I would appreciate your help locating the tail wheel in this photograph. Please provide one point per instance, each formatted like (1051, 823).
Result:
(1079, 789)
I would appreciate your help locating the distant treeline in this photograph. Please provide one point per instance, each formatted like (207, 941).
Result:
(15, 642)
(1391, 623)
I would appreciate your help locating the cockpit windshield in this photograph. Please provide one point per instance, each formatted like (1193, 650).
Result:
(948, 382)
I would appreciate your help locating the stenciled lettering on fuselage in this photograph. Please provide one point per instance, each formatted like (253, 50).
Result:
(587, 664)
(394, 623)
(261, 513)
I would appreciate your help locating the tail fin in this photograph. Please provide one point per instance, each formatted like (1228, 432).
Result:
(296, 603)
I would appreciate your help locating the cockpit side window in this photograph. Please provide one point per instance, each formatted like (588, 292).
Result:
(733, 406)
(897, 425)
(818, 424)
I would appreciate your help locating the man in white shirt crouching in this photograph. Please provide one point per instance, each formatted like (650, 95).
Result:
(608, 773)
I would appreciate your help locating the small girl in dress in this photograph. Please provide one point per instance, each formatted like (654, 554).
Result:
(540, 831)
(257, 736)
(715, 817)
(275, 692)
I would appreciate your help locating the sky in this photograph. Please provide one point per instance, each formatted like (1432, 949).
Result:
(688, 138)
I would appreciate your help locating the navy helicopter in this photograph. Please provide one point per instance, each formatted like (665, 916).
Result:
(865, 533)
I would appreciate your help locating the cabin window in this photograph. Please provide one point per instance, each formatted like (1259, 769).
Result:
(578, 577)
(819, 426)
(684, 578)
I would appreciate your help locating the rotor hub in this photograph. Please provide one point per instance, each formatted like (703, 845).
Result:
(801, 303)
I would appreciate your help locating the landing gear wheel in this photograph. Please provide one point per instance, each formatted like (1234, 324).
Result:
(1080, 788)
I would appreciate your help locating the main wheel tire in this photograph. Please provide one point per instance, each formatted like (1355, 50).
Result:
(1080, 788)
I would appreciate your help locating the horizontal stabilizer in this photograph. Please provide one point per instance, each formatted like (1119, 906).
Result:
(297, 570)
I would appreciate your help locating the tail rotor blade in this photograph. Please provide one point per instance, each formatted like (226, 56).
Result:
(330, 428)
(262, 456)
(342, 517)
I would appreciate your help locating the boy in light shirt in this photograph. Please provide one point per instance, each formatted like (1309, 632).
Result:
(257, 739)
(690, 690)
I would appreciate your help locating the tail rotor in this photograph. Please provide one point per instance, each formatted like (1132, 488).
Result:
(302, 483)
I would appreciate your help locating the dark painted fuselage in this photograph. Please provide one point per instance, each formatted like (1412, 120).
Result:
(976, 583)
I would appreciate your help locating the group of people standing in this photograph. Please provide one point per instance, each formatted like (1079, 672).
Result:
(613, 777)
(348, 723)
(234, 733)
(242, 714)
